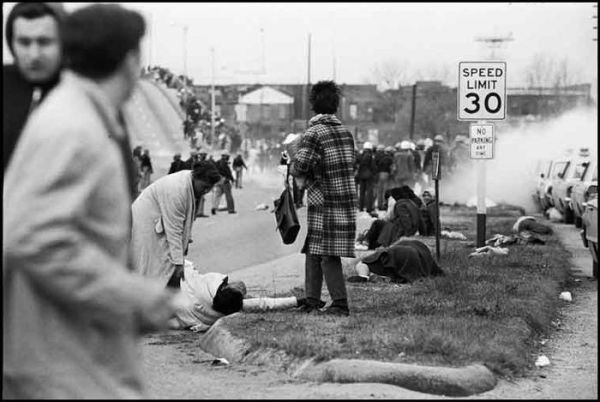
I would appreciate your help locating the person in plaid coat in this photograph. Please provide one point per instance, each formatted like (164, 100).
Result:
(324, 164)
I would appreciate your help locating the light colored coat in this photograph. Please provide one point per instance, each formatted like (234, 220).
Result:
(72, 311)
(163, 215)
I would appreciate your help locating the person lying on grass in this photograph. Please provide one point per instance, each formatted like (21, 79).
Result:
(211, 296)
(403, 262)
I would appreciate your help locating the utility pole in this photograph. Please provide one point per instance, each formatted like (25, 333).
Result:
(306, 93)
(185, 70)
(412, 112)
(212, 98)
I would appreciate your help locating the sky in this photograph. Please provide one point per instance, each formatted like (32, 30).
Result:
(348, 40)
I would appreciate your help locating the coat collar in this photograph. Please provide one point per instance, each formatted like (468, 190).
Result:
(328, 119)
(110, 115)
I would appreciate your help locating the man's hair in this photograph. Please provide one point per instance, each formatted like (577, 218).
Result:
(31, 11)
(97, 38)
(325, 97)
(228, 300)
(205, 170)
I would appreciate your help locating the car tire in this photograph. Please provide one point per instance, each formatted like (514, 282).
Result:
(569, 215)
(578, 222)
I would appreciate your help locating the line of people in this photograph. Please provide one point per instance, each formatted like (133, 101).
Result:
(407, 163)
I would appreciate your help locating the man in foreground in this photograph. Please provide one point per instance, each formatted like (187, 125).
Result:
(73, 311)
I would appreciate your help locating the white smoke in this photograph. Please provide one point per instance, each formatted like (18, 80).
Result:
(511, 176)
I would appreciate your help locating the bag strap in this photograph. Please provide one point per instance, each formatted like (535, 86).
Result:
(287, 176)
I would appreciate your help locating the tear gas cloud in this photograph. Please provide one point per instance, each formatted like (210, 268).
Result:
(511, 175)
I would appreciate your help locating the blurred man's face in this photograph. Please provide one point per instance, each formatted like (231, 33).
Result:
(37, 48)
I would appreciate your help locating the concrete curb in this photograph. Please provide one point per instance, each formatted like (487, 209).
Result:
(219, 342)
(462, 381)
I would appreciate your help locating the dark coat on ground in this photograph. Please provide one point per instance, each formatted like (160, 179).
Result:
(16, 100)
(406, 261)
(326, 155)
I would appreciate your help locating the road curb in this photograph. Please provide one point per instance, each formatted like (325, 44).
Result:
(461, 381)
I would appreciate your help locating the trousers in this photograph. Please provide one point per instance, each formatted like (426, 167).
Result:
(330, 267)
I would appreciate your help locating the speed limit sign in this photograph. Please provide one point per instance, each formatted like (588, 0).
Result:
(481, 90)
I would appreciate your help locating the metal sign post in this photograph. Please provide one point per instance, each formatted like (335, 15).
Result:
(481, 138)
(481, 96)
(435, 175)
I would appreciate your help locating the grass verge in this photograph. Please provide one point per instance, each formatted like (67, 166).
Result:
(488, 310)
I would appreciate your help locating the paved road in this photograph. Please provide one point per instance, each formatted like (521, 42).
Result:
(227, 242)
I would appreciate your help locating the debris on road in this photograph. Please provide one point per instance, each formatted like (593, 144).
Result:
(262, 207)
(542, 361)
(220, 362)
(566, 296)
(453, 235)
(489, 250)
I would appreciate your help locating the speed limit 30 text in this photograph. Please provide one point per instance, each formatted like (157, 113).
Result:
(482, 78)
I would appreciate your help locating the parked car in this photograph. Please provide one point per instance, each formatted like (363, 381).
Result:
(542, 174)
(589, 233)
(584, 190)
(559, 168)
(563, 181)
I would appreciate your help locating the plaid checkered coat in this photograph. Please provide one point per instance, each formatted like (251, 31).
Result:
(326, 156)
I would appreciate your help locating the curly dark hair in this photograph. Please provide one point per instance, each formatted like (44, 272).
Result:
(228, 300)
(325, 97)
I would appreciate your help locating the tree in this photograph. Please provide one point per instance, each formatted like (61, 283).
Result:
(544, 71)
(390, 74)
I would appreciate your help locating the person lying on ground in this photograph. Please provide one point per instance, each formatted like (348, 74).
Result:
(403, 262)
(529, 223)
(211, 296)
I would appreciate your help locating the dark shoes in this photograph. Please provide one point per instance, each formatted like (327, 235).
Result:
(233, 212)
(336, 310)
(213, 211)
(305, 306)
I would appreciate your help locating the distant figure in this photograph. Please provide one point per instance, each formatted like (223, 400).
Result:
(439, 145)
(404, 165)
(146, 169)
(238, 166)
(223, 186)
(384, 160)
(177, 164)
(366, 176)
